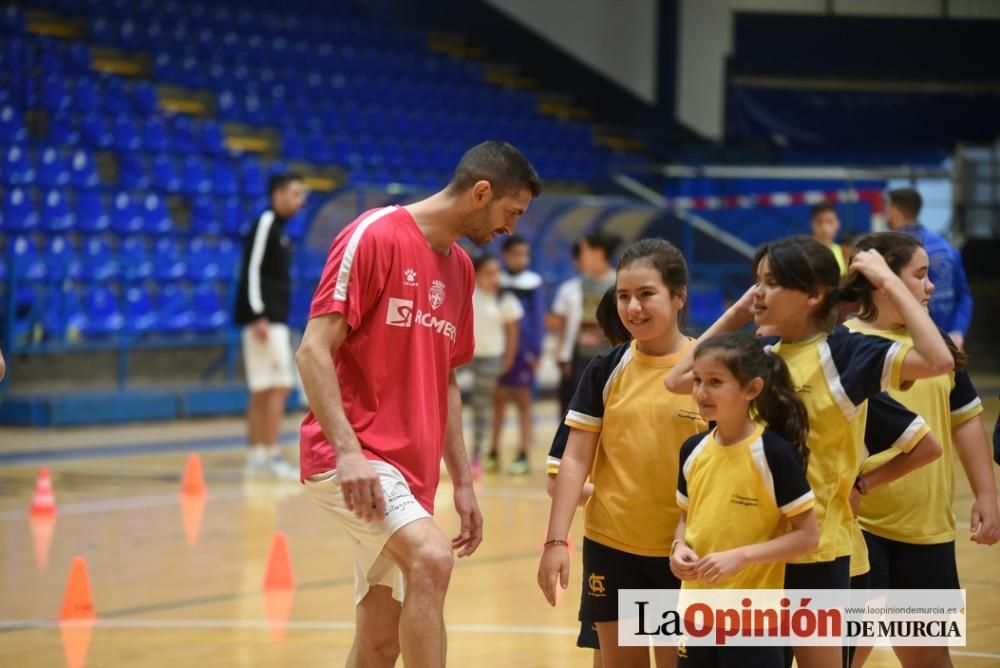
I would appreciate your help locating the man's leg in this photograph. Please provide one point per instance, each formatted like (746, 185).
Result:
(376, 636)
(274, 414)
(424, 556)
(522, 396)
(500, 397)
(257, 407)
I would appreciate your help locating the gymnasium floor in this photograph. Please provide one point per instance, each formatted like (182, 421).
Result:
(168, 592)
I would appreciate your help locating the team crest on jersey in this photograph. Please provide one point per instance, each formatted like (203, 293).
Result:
(436, 294)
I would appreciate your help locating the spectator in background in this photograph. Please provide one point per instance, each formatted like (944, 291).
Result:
(262, 306)
(518, 382)
(565, 321)
(495, 316)
(825, 226)
(951, 302)
(598, 274)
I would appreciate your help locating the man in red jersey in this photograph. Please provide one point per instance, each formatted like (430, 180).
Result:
(390, 321)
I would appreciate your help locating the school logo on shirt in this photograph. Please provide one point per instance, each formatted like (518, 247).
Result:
(436, 294)
(400, 312)
(596, 584)
(690, 415)
(743, 500)
(410, 278)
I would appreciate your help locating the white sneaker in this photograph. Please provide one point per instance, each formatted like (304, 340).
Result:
(258, 464)
(282, 470)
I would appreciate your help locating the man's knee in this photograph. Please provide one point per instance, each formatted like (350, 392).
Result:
(378, 649)
(432, 564)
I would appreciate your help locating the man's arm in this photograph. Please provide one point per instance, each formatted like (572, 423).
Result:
(358, 480)
(457, 462)
(963, 302)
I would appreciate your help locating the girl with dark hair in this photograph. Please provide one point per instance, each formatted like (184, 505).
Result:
(625, 434)
(912, 545)
(742, 483)
(836, 373)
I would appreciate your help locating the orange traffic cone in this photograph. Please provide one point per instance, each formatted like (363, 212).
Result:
(279, 565)
(76, 620)
(193, 482)
(278, 608)
(44, 501)
(77, 603)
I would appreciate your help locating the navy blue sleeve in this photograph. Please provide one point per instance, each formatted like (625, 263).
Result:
(891, 425)
(864, 364)
(586, 408)
(963, 399)
(557, 449)
(792, 493)
(686, 450)
(996, 442)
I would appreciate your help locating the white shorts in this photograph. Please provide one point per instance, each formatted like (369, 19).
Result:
(268, 364)
(371, 567)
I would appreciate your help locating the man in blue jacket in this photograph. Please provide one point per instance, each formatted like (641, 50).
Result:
(951, 302)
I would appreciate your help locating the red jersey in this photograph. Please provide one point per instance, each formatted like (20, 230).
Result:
(410, 313)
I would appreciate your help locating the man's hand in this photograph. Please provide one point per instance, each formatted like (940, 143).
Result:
(360, 486)
(471, 534)
(261, 326)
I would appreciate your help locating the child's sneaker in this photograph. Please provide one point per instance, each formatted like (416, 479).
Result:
(519, 466)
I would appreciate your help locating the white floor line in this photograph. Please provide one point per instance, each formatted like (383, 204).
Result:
(127, 503)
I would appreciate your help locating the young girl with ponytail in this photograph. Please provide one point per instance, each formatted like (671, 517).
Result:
(836, 372)
(742, 483)
(909, 524)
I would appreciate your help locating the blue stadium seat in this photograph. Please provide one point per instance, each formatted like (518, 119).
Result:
(223, 179)
(102, 314)
(82, 171)
(62, 130)
(231, 217)
(17, 169)
(183, 134)
(202, 260)
(165, 176)
(194, 180)
(211, 138)
(19, 213)
(210, 314)
(175, 313)
(205, 216)
(254, 182)
(27, 262)
(86, 96)
(140, 316)
(99, 263)
(53, 172)
(156, 219)
(133, 255)
(62, 260)
(126, 135)
(126, 218)
(56, 214)
(91, 216)
(170, 264)
(96, 132)
(55, 94)
(155, 137)
(144, 101)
